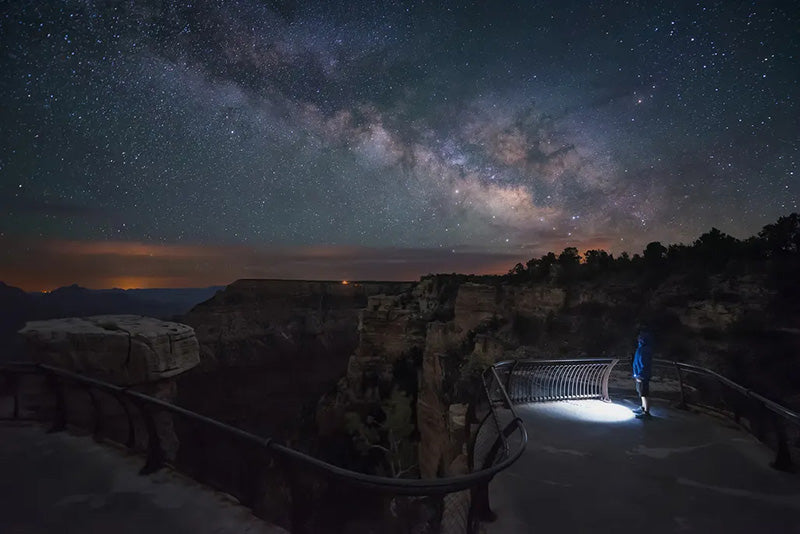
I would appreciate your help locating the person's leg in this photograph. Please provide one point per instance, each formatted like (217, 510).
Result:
(644, 393)
(638, 384)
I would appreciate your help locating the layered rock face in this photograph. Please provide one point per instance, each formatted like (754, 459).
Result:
(429, 342)
(455, 354)
(271, 348)
(143, 353)
(254, 321)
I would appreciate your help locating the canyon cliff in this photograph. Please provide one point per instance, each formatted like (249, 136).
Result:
(270, 348)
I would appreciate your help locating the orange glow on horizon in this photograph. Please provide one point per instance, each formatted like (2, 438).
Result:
(136, 265)
(131, 283)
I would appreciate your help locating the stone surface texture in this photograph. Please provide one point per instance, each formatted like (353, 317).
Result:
(122, 349)
(70, 484)
(143, 353)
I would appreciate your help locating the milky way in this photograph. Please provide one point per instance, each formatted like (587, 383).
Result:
(261, 131)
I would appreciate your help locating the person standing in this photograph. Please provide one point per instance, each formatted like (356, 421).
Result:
(642, 366)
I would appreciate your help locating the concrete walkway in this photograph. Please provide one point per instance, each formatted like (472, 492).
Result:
(68, 484)
(590, 467)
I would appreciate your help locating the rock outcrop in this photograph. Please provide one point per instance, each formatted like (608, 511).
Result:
(122, 349)
(143, 353)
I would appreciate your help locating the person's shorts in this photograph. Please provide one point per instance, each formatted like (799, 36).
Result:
(643, 387)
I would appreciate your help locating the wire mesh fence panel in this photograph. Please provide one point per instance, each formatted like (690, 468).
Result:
(456, 513)
(548, 380)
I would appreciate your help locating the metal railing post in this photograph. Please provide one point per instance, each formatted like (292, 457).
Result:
(98, 413)
(783, 458)
(682, 404)
(60, 415)
(298, 512)
(510, 375)
(155, 454)
(250, 472)
(480, 508)
(13, 383)
(131, 442)
(760, 430)
(606, 375)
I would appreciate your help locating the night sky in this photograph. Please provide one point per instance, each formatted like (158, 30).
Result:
(186, 144)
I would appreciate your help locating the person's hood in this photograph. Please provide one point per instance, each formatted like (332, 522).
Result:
(645, 337)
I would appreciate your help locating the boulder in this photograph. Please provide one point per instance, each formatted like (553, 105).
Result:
(123, 349)
(127, 350)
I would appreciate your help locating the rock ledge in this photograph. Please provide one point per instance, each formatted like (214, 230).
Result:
(122, 349)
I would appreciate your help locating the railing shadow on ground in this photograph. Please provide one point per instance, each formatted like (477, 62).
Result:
(280, 484)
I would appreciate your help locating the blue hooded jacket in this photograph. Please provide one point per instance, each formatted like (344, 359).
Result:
(643, 359)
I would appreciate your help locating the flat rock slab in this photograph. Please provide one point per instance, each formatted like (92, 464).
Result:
(122, 349)
(69, 484)
(590, 467)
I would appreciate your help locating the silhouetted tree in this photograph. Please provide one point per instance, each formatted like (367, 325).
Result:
(598, 258)
(714, 249)
(677, 253)
(569, 257)
(569, 263)
(783, 237)
(518, 274)
(541, 268)
(598, 262)
(655, 253)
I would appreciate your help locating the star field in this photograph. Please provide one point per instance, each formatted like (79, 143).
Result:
(245, 137)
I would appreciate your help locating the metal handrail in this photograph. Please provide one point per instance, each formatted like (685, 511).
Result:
(779, 409)
(781, 414)
(549, 380)
(397, 486)
(787, 413)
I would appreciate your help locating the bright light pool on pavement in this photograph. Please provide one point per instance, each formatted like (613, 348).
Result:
(586, 410)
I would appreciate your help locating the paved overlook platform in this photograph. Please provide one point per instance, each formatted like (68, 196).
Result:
(70, 484)
(591, 467)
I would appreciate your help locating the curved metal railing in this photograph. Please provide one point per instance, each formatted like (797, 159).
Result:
(553, 380)
(261, 457)
(772, 423)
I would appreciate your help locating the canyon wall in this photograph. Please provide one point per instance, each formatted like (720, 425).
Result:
(270, 348)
